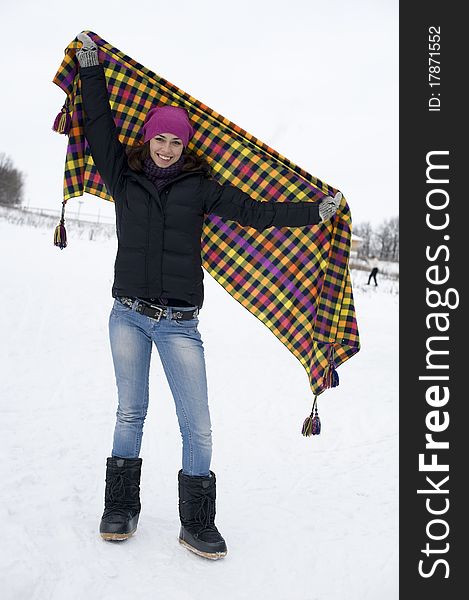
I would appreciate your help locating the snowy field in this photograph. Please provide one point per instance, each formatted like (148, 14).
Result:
(304, 518)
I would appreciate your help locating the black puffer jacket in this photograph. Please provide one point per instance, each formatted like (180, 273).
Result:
(159, 233)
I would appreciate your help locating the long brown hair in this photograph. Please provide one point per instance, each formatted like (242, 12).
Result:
(137, 154)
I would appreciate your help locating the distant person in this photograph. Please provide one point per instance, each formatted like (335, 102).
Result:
(161, 192)
(374, 264)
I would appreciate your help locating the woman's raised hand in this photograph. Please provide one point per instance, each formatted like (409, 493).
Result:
(88, 53)
(328, 206)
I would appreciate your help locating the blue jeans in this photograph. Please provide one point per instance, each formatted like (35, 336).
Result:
(181, 351)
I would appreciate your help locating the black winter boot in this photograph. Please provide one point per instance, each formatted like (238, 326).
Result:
(122, 498)
(197, 494)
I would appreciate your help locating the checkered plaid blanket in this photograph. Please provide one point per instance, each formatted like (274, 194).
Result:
(295, 280)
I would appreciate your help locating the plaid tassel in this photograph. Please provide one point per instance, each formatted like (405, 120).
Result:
(63, 120)
(331, 377)
(312, 424)
(60, 234)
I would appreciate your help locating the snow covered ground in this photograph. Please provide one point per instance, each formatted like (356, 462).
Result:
(304, 518)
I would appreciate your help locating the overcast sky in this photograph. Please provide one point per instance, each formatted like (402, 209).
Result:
(316, 80)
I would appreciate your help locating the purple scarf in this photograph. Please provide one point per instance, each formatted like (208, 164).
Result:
(159, 176)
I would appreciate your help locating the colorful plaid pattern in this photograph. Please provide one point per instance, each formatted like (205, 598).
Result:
(295, 280)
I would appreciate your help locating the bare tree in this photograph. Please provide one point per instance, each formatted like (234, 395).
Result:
(364, 231)
(382, 242)
(11, 182)
(394, 227)
(387, 237)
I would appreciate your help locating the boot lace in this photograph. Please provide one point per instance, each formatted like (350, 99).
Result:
(205, 513)
(121, 494)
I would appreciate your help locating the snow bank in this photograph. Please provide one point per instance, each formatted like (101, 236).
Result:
(304, 518)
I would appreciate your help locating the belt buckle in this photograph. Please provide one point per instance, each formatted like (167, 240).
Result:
(160, 313)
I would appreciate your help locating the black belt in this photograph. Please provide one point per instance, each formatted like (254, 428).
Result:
(157, 311)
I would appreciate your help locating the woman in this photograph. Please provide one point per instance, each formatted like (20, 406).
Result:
(161, 193)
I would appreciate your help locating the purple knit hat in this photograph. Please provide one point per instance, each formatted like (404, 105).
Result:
(168, 119)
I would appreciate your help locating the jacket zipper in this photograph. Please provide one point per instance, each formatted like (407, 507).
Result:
(147, 255)
(163, 197)
(160, 194)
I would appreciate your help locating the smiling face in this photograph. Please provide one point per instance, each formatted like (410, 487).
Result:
(165, 146)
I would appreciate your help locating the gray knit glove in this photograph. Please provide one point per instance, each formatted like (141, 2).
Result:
(328, 206)
(88, 53)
